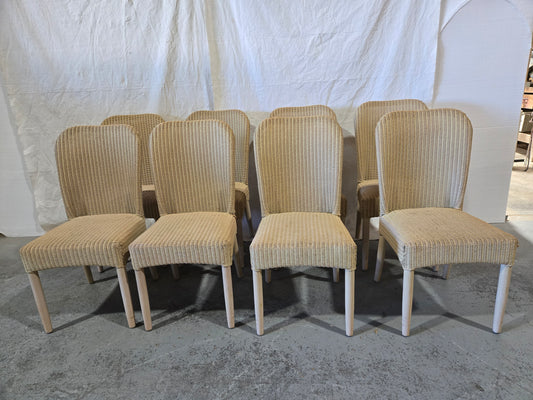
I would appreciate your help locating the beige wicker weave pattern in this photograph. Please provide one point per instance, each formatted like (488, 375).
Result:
(99, 171)
(194, 165)
(433, 169)
(366, 118)
(240, 125)
(296, 169)
(143, 124)
(302, 239)
(304, 111)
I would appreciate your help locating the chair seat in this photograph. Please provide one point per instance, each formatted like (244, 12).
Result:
(302, 239)
(424, 237)
(89, 240)
(242, 187)
(368, 198)
(197, 237)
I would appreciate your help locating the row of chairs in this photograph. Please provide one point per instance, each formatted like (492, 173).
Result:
(299, 165)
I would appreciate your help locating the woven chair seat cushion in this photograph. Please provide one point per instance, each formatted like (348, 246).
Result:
(424, 237)
(197, 238)
(301, 239)
(89, 240)
(242, 187)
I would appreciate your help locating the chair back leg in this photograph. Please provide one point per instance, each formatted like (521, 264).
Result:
(380, 257)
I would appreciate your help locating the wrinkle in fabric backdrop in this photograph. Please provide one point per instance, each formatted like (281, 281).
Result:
(68, 63)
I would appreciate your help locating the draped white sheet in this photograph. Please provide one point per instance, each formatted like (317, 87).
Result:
(66, 63)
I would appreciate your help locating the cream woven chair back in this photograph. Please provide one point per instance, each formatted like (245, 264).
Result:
(99, 170)
(299, 165)
(423, 159)
(367, 116)
(240, 125)
(143, 125)
(304, 111)
(194, 166)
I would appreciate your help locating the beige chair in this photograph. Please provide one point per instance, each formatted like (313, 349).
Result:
(143, 125)
(100, 178)
(367, 116)
(299, 168)
(240, 125)
(304, 111)
(422, 159)
(193, 164)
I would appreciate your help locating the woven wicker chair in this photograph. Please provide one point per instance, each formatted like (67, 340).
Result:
(143, 125)
(422, 159)
(193, 164)
(240, 125)
(366, 118)
(299, 168)
(318, 110)
(99, 174)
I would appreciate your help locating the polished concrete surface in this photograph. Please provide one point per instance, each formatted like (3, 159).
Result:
(304, 354)
(520, 202)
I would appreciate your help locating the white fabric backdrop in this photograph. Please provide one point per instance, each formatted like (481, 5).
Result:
(68, 63)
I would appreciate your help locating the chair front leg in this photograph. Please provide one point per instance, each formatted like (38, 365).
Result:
(501, 297)
(445, 271)
(228, 295)
(380, 257)
(143, 298)
(126, 296)
(349, 300)
(100, 269)
(407, 300)
(258, 301)
(40, 301)
(175, 271)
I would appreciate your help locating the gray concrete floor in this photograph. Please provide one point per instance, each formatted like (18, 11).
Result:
(304, 354)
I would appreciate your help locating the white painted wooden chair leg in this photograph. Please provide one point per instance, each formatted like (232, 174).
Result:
(366, 234)
(143, 298)
(407, 300)
(238, 253)
(258, 301)
(228, 295)
(501, 297)
(40, 301)
(100, 269)
(175, 271)
(88, 274)
(249, 218)
(268, 275)
(380, 257)
(349, 300)
(126, 296)
(154, 273)
(336, 275)
(445, 271)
